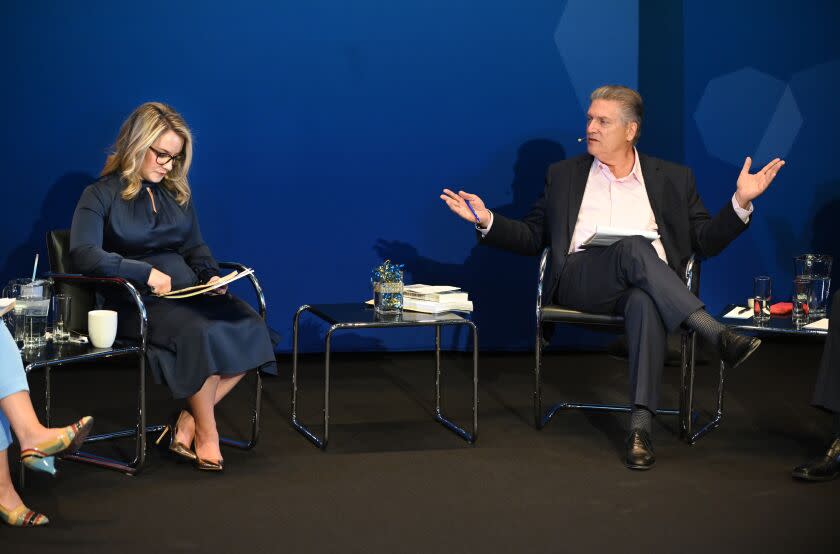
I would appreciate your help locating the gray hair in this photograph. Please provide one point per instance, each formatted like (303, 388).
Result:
(632, 108)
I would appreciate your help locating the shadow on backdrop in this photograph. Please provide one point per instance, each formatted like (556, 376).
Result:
(826, 226)
(56, 213)
(823, 229)
(502, 285)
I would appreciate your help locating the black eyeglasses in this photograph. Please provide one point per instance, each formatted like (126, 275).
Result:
(164, 158)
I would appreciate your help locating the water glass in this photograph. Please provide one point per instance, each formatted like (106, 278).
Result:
(801, 299)
(60, 317)
(34, 310)
(817, 268)
(762, 293)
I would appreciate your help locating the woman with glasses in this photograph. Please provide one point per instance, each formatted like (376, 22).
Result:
(38, 444)
(138, 221)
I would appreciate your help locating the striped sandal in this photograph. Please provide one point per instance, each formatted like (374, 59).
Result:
(40, 458)
(22, 517)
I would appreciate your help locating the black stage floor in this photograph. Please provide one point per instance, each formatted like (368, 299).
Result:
(393, 480)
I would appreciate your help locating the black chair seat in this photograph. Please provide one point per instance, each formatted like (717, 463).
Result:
(559, 314)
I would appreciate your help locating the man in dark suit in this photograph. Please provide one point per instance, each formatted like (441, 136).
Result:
(827, 397)
(614, 185)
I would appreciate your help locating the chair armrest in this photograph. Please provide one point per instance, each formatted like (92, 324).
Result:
(254, 282)
(692, 274)
(544, 257)
(76, 279)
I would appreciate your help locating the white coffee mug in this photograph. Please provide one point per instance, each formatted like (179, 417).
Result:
(102, 328)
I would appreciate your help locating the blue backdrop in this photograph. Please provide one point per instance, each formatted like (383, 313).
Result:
(325, 130)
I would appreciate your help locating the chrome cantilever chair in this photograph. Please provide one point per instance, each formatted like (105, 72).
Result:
(557, 314)
(83, 291)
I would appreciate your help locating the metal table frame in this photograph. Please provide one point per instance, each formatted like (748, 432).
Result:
(760, 330)
(440, 417)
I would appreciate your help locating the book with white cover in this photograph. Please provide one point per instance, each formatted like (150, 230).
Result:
(444, 294)
(605, 235)
(426, 307)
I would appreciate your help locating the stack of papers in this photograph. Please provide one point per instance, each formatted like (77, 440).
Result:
(605, 235)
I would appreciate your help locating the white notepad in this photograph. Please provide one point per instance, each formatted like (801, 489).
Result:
(818, 324)
(739, 312)
(605, 236)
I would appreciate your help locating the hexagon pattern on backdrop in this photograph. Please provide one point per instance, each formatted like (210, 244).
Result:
(747, 112)
(598, 41)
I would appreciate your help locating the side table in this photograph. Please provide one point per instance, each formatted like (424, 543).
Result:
(360, 316)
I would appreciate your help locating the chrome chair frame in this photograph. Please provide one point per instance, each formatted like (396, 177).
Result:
(140, 429)
(687, 366)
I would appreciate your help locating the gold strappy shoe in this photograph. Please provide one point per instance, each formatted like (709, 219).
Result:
(70, 439)
(176, 447)
(22, 517)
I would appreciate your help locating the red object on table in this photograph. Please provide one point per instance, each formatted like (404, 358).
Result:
(781, 308)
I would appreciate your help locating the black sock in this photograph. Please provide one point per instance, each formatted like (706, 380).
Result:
(706, 326)
(640, 418)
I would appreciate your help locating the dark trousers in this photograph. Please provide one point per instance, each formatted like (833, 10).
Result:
(629, 279)
(827, 388)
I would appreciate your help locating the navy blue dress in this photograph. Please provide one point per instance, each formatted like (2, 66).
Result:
(189, 339)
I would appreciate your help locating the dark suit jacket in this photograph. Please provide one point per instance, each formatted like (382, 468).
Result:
(684, 224)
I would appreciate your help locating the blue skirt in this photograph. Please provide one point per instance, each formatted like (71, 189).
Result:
(191, 339)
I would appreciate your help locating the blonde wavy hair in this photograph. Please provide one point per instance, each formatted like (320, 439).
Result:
(137, 134)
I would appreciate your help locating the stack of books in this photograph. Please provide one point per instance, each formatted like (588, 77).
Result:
(432, 299)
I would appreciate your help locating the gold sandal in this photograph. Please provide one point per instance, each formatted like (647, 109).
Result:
(23, 517)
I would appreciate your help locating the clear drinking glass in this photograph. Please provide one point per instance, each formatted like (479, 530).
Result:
(762, 294)
(35, 309)
(60, 317)
(801, 299)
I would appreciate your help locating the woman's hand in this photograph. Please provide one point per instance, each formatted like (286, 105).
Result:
(218, 291)
(159, 282)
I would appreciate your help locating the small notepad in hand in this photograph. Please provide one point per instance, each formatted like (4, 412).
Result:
(6, 305)
(606, 236)
(207, 287)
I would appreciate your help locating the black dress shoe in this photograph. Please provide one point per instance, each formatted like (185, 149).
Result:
(824, 468)
(639, 450)
(735, 348)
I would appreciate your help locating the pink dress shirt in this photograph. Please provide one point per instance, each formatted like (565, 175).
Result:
(618, 203)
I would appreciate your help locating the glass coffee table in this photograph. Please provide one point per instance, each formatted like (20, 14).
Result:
(356, 316)
(776, 326)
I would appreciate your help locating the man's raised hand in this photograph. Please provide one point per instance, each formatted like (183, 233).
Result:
(752, 185)
(458, 204)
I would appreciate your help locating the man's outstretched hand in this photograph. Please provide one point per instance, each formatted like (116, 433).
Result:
(458, 204)
(753, 185)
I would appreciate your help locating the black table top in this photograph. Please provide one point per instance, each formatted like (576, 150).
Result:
(363, 315)
(54, 354)
(776, 325)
